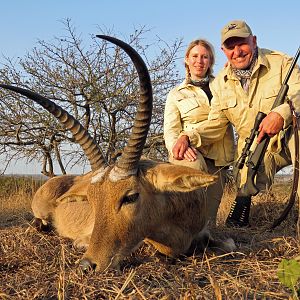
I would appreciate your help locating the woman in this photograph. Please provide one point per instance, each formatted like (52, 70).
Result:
(186, 107)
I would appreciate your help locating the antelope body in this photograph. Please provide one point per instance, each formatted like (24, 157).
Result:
(113, 209)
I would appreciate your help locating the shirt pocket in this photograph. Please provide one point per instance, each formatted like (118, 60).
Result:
(186, 105)
(267, 101)
(228, 100)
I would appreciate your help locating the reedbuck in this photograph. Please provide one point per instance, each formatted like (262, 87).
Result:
(113, 209)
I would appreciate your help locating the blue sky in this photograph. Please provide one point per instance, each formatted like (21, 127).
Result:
(275, 23)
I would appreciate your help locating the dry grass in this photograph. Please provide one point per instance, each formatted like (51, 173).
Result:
(41, 266)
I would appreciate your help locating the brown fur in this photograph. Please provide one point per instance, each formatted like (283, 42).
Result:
(164, 205)
(65, 188)
(111, 211)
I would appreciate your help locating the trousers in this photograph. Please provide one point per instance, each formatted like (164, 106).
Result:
(272, 163)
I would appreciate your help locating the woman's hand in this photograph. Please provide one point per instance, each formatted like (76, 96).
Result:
(190, 154)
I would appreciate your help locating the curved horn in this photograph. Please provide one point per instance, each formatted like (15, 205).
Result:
(128, 163)
(80, 134)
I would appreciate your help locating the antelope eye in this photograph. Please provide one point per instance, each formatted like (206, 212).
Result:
(128, 199)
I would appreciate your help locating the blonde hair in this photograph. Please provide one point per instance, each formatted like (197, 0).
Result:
(209, 47)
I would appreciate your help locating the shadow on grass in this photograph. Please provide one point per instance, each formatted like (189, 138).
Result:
(15, 218)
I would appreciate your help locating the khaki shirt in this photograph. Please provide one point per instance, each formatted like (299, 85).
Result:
(186, 107)
(232, 104)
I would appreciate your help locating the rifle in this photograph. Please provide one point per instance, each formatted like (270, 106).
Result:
(255, 158)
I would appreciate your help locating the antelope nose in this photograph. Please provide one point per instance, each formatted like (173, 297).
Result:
(86, 265)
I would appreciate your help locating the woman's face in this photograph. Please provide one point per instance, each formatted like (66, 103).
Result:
(198, 61)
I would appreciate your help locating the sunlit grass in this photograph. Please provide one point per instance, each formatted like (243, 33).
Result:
(34, 265)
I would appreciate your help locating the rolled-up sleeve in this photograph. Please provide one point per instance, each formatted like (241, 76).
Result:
(211, 130)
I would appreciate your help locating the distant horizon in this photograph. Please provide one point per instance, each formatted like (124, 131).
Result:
(287, 171)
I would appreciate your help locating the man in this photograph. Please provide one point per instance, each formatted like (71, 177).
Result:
(248, 84)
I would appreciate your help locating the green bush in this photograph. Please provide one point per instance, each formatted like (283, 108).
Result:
(289, 274)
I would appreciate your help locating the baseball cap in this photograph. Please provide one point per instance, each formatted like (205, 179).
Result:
(236, 28)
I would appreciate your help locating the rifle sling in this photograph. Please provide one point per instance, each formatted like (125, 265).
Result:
(293, 194)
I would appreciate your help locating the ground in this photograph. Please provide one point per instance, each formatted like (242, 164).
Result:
(35, 265)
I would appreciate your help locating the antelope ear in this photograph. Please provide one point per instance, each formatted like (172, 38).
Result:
(173, 178)
(78, 189)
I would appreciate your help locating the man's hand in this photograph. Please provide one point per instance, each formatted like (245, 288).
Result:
(270, 125)
(180, 147)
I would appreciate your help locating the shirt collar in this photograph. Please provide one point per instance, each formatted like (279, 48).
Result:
(262, 61)
(184, 84)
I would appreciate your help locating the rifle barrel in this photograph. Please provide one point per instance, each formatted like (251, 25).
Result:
(286, 79)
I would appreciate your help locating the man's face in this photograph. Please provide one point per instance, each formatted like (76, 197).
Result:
(239, 51)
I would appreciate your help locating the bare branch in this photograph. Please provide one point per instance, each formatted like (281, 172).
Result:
(97, 84)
